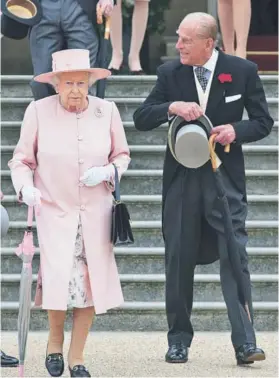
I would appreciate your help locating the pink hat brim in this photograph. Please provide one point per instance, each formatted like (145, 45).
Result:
(96, 73)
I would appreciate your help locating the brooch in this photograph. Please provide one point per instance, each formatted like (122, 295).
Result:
(98, 112)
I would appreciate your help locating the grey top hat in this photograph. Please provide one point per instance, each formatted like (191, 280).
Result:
(188, 141)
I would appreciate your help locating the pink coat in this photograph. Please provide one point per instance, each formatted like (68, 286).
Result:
(58, 147)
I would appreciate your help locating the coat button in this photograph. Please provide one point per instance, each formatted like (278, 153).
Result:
(80, 137)
(81, 161)
(82, 207)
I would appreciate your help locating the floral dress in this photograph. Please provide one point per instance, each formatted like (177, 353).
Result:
(80, 294)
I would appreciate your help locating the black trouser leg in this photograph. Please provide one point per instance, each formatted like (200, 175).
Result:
(45, 38)
(181, 227)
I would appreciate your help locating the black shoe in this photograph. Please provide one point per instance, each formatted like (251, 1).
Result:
(8, 361)
(177, 353)
(79, 371)
(115, 71)
(137, 73)
(55, 364)
(248, 353)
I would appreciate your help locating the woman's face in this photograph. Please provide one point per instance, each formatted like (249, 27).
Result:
(73, 89)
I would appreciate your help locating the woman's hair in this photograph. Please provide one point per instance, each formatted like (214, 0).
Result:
(56, 78)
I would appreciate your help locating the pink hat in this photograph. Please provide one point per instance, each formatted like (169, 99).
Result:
(69, 61)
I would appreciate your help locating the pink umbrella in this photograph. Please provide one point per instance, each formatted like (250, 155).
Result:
(25, 251)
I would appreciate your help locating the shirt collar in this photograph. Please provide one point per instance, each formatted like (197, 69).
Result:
(211, 63)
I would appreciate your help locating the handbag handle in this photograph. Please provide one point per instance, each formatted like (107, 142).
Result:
(116, 192)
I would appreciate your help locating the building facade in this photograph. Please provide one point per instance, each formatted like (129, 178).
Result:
(15, 57)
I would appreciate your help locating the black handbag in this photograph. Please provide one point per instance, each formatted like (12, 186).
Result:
(121, 231)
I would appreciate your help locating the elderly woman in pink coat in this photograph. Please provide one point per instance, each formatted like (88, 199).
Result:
(64, 164)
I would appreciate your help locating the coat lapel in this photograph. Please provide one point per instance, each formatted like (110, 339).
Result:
(185, 81)
(217, 90)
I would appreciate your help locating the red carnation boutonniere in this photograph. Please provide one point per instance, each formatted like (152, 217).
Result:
(225, 78)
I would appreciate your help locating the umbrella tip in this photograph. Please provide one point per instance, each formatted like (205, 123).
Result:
(21, 370)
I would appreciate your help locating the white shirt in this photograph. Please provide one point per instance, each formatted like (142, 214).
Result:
(210, 66)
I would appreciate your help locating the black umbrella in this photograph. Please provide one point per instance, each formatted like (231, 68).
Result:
(232, 247)
(103, 53)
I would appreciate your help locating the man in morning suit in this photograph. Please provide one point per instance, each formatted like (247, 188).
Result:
(205, 81)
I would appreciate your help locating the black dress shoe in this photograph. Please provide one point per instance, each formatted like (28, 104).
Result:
(115, 71)
(55, 364)
(79, 371)
(248, 353)
(137, 73)
(177, 353)
(8, 361)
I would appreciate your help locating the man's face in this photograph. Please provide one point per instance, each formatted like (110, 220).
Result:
(194, 50)
(73, 88)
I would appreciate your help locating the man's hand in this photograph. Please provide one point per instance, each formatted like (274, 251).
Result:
(226, 134)
(105, 7)
(187, 110)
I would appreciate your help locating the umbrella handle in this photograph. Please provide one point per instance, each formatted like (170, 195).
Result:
(107, 28)
(99, 14)
(100, 21)
(213, 155)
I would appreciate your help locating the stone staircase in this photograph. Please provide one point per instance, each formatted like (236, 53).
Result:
(141, 266)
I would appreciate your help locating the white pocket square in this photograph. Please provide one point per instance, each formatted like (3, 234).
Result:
(232, 98)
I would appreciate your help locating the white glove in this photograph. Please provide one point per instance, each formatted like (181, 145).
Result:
(96, 175)
(31, 195)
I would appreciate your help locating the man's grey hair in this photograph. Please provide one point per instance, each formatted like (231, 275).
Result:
(206, 25)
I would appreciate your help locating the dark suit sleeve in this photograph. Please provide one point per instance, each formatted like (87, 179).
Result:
(154, 110)
(260, 122)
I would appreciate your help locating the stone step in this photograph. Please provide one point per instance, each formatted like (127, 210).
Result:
(117, 86)
(132, 260)
(141, 206)
(260, 182)
(151, 287)
(150, 316)
(261, 233)
(10, 132)
(152, 156)
(13, 108)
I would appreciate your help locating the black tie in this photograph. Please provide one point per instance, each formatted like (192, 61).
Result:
(201, 75)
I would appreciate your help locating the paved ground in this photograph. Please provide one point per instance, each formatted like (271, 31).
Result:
(142, 355)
